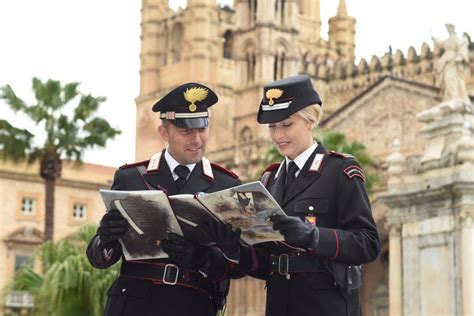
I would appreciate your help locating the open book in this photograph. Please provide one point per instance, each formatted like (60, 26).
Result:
(153, 214)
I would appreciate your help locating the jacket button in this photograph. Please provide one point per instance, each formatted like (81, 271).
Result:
(123, 290)
(311, 208)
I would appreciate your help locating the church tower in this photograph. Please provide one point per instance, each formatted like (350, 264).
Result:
(342, 32)
(176, 47)
(310, 23)
(267, 49)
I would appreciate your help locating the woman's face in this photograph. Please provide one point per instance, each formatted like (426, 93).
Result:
(291, 136)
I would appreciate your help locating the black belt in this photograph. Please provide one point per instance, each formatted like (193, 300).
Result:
(170, 274)
(295, 263)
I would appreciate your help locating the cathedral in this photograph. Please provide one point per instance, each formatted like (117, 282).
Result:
(236, 50)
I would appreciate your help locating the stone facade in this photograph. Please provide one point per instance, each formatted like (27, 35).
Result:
(430, 217)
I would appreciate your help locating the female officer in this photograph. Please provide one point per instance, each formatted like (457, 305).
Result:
(328, 227)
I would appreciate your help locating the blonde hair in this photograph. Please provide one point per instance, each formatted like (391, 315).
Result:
(311, 114)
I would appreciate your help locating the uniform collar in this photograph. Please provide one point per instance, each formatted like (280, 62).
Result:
(303, 157)
(172, 163)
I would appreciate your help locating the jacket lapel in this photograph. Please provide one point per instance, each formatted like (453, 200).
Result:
(305, 178)
(162, 179)
(277, 185)
(197, 181)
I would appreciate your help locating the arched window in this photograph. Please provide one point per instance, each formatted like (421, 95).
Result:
(177, 37)
(279, 63)
(280, 11)
(252, 10)
(228, 44)
(245, 135)
(251, 63)
(245, 146)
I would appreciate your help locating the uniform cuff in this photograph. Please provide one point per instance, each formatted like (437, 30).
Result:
(328, 243)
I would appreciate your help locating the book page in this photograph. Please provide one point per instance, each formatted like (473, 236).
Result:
(248, 207)
(192, 217)
(150, 217)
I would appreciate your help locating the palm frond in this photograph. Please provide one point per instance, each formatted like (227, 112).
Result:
(69, 285)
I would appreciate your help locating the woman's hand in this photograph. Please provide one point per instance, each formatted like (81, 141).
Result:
(297, 233)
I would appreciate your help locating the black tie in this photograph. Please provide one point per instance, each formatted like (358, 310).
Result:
(182, 172)
(290, 175)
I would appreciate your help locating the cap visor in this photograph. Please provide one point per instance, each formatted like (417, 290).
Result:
(200, 122)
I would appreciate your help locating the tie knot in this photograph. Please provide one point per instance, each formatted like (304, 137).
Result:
(292, 168)
(181, 171)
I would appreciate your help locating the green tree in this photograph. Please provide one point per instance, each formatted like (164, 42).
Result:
(336, 141)
(68, 284)
(66, 136)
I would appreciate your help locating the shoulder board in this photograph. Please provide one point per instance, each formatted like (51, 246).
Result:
(129, 165)
(272, 167)
(226, 171)
(340, 155)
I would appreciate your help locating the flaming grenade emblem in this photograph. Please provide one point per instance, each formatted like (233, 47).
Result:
(194, 95)
(273, 94)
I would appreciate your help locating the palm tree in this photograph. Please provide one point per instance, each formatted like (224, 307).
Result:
(335, 141)
(68, 284)
(66, 136)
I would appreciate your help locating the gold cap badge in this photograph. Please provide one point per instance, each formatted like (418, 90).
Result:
(193, 95)
(273, 94)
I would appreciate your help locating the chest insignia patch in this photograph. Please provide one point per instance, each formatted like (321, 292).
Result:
(311, 219)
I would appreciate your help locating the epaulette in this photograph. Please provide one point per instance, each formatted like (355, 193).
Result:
(341, 155)
(128, 165)
(272, 167)
(226, 171)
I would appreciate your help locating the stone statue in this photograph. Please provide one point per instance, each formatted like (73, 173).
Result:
(453, 65)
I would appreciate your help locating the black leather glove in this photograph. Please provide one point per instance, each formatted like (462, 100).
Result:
(184, 252)
(226, 238)
(297, 233)
(112, 227)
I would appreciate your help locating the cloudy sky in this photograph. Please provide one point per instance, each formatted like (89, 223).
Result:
(96, 42)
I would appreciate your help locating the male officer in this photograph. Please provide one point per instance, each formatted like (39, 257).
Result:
(193, 280)
(328, 227)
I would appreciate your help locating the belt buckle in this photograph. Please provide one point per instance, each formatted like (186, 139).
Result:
(165, 274)
(286, 266)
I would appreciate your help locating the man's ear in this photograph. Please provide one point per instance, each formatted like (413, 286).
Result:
(163, 133)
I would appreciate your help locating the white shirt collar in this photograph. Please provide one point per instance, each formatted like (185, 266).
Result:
(303, 157)
(172, 163)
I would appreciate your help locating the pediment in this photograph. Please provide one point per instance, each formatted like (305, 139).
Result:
(24, 235)
(383, 112)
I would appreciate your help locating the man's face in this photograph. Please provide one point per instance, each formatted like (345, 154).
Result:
(187, 146)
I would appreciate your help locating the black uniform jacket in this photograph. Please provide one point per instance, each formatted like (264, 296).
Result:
(129, 296)
(329, 191)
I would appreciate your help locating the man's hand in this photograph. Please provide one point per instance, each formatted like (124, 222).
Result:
(184, 252)
(226, 238)
(112, 227)
(296, 232)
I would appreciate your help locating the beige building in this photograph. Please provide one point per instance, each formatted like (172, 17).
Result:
(22, 191)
